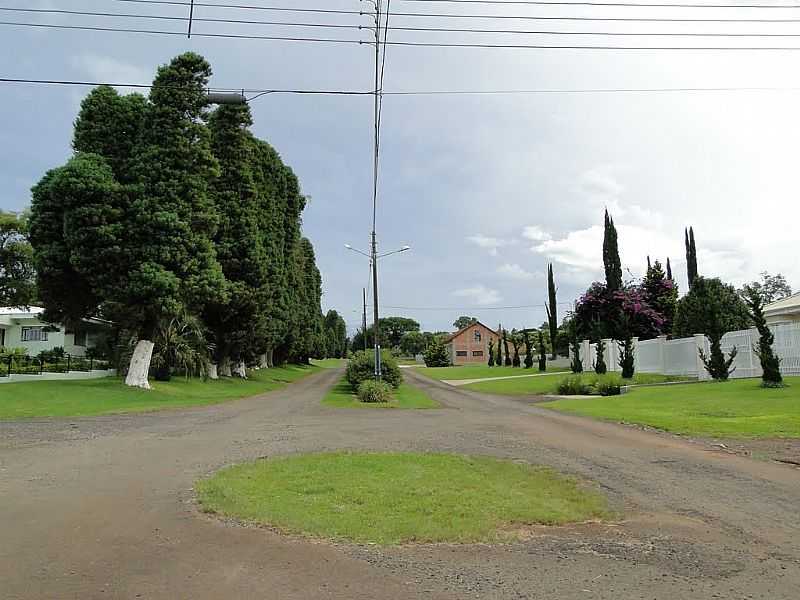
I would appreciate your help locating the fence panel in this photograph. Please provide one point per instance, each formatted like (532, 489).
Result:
(648, 356)
(680, 357)
(787, 347)
(746, 363)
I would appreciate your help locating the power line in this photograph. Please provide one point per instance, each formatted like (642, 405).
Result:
(247, 7)
(625, 4)
(475, 308)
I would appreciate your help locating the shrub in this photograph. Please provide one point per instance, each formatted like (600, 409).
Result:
(55, 355)
(576, 365)
(436, 355)
(610, 385)
(600, 364)
(361, 367)
(574, 385)
(371, 391)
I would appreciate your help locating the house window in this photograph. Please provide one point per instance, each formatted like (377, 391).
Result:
(477, 335)
(461, 352)
(80, 338)
(34, 334)
(477, 353)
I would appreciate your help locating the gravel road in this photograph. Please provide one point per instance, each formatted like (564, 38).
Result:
(104, 508)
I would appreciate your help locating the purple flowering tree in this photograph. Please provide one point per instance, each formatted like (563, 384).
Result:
(601, 313)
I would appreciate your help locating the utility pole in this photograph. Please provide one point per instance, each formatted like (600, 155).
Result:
(364, 321)
(374, 245)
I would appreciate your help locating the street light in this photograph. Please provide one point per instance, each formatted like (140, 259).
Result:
(373, 259)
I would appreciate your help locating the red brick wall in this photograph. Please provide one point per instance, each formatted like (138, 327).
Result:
(466, 342)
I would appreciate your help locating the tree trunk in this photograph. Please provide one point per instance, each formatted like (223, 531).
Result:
(140, 365)
(212, 371)
(270, 358)
(240, 370)
(263, 361)
(225, 368)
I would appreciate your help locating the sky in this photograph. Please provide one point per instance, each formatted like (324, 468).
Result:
(487, 189)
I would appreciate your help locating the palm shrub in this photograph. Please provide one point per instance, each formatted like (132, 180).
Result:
(770, 363)
(361, 367)
(436, 355)
(371, 391)
(600, 362)
(542, 354)
(180, 343)
(491, 353)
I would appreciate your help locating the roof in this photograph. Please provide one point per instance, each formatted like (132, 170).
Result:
(453, 336)
(789, 304)
(16, 311)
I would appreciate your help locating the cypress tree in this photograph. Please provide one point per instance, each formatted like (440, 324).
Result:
(576, 366)
(669, 270)
(552, 309)
(600, 363)
(515, 343)
(498, 360)
(491, 353)
(528, 350)
(542, 353)
(611, 260)
(770, 363)
(507, 360)
(691, 256)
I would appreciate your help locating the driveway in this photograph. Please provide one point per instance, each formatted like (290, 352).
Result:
(103, 508)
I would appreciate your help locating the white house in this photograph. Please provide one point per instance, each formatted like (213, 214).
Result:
(783, 311)
(22, 328)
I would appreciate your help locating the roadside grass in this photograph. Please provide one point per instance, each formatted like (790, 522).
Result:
(407, 396)
(737, 409)
(396, 498)
(535, 386)
(481, 371)
(88, 397)
(329, 363)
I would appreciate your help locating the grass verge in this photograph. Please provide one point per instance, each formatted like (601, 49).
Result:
(397, 498)
(536, 386)
(88, 397)
(481, 371)
(738, 409)
(329, 363)
(341, 396)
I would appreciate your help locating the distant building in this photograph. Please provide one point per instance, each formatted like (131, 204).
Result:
(783, 311)
(23, 328)
(470, 345)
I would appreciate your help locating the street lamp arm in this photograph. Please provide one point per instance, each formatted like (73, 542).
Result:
(349, 247)
(403, 249)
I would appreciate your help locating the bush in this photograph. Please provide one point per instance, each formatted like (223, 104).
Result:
(371, 391)
(610, 385)
(55, 355)
(436, 355)
(574, 385)
(361, 367)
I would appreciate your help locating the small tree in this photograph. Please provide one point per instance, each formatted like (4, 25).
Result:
(542, 353)
(552, 309)
(491, 353)
(505, 349)
(498, 359)
(576, 366)
(436, 354)
(515, 343)
(600, 363)
(626, 358)
(716, 364)
(528, 351)
(770, 363)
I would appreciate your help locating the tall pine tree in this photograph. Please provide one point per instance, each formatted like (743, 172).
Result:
(691, 256)
(552, 310)
(611, 260)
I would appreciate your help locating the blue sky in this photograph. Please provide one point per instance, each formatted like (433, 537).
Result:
(486, 188)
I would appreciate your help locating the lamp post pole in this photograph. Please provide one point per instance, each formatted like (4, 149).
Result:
(364, 321)
(376, 327)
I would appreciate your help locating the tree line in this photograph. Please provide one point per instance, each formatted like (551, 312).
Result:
(171, 215)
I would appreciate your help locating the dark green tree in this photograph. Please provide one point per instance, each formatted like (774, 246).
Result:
(626, 357)
(770, 363)
(436, 354)
(669, 271)
(770, 288)
(17, 275)
(661, 294)
(576, 366)
(600, 362)
(693, 312)
(552, 309)
(514, 338)
(542, 353)
(392, 330)
(491, 353)
(498, 359)
(611, 260)
(413, 343)
(335, 335)
(464, 321)
(691, 256)
(526, 339)
(507, 361)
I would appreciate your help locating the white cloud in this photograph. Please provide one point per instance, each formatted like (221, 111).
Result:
(535, 233)
(479, 294)
(105, 68)
(514, 271)
(490, 244)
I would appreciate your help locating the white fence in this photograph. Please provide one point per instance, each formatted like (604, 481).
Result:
(682, 356)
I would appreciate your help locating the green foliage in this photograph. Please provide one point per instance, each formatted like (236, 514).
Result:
(436, 354)
(770, 362)
(335, 335)
(600, 362)
(573, 385)
(576, 366)
(17, 274)
(552, 309)
(542, 353)
(611, 260)
(626, 357)
(498, 359)
(610, 385)
(770, 288)
(661, 294)
(491, 353)
(361, 367)
(715, 362)
(508, 362)
(515, 341)
(180, 345)
(528, 350)
(373, 392)
(392, 330)
(464, 321)
(710, 303)
(413, 343)
(691, 256)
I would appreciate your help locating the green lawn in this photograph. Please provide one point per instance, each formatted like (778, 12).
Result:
(397, 498)
(480, 371)
(534, 386)
(330, 363)
(738, 408)
(109, 395)
(407, 396)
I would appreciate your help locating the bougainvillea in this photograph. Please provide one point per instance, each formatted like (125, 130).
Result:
(599, 313)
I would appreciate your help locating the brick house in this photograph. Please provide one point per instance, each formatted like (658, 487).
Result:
(470, 345)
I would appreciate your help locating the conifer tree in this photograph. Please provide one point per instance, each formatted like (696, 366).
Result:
(528, 350)
(552, 309)
(770, 363)
(691, 256)
(491, 353)
(669, 270)
(542, 353)
(506, 353)
(498, 359)
(600, 362)
(611, 260)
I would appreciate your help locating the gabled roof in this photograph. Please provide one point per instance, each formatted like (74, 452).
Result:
(786, 305)
(35, 312)
(452, 336)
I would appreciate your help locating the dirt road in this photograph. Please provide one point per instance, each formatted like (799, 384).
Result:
(103, 508)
